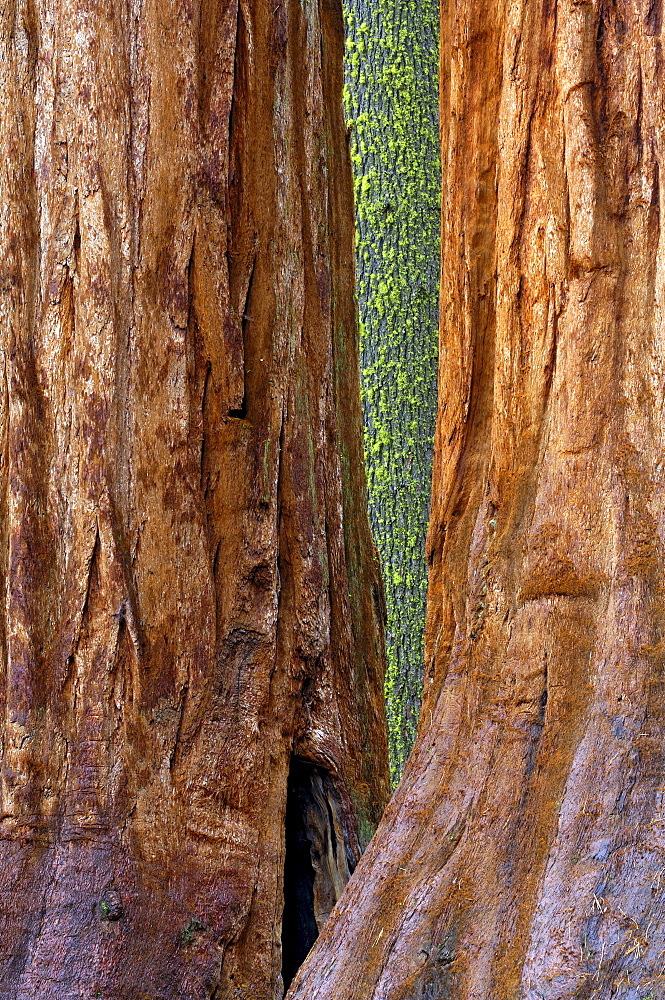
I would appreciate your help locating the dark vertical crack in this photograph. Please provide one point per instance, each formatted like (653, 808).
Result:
(299, 929)
(315, 868)
(655, 17)
(245, 318)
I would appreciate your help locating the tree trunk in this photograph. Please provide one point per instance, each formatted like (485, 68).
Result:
(523, 854)
(192, 607)
(391, 99)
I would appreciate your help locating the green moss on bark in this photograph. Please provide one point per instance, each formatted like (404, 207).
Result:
(391, 104)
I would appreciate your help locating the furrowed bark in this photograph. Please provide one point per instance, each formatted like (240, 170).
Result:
(188, 575)
(522, 855)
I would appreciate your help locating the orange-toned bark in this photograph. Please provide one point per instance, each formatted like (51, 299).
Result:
(523, 854)
(191, 595)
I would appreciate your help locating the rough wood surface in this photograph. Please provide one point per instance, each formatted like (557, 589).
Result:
(191, 594)
(523, 854)
(392, 111)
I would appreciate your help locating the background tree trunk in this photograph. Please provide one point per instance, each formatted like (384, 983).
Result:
(191, 596)
(523, 854)
(392, 107)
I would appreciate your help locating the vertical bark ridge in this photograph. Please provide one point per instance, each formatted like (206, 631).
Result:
(188, 586)
(523, 851)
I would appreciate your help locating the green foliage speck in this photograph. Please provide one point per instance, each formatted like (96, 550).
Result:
(190, 931)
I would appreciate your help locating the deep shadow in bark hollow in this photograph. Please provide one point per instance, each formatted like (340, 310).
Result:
(317, 864)
(299, 930)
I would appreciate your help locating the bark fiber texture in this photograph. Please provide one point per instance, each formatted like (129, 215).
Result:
(392, 110)
(190, 591)
(523, 854)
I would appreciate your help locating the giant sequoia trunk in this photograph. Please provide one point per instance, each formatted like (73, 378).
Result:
(191, 608)
(391, 103)
(524, 853)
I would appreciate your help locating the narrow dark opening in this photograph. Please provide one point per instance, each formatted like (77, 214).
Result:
(241, 414)
(299, 928)
(318, 859)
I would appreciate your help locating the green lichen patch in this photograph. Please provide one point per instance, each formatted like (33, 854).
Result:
(391, 106)
(191, 931)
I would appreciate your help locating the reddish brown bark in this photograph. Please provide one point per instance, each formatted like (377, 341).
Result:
(523, 854)
(190, 590)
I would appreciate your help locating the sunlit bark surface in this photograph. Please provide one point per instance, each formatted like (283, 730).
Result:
(190, 593)
(524, 852)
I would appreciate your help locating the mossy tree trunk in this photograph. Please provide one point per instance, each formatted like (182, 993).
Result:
(523, 853)
(392, 110)
(190, 597)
